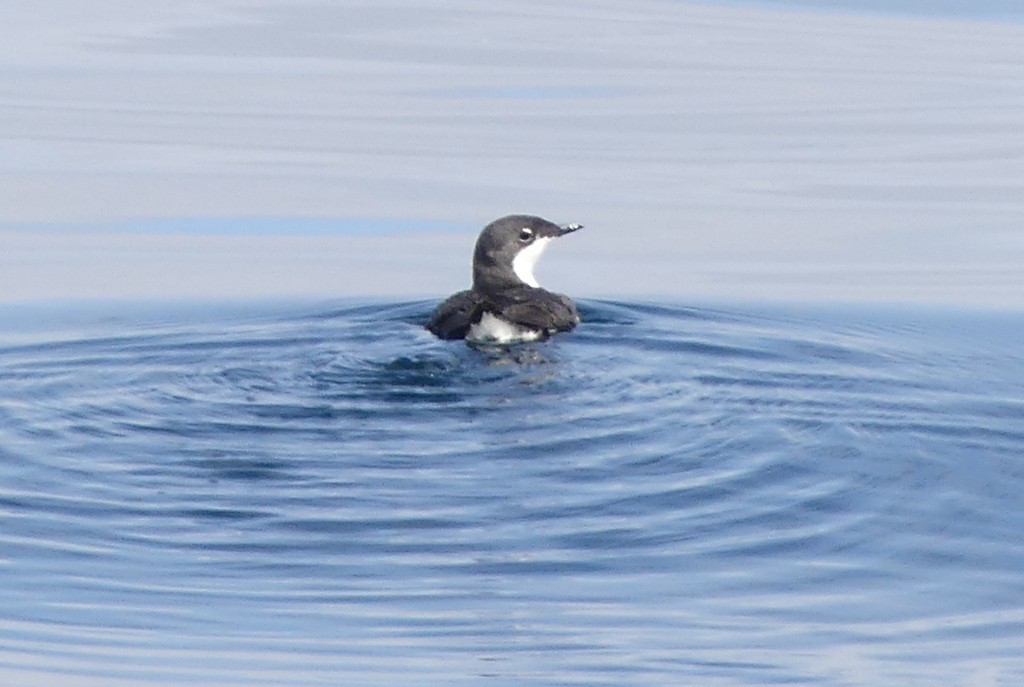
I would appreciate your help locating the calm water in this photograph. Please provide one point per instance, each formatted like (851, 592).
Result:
(216, 148)
(319, 493)
(325, 494)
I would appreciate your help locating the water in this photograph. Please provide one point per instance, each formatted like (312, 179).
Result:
(268, 148)
(991, 10)
(323, 494)
(204, 483)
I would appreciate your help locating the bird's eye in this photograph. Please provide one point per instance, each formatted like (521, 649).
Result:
(526, 235)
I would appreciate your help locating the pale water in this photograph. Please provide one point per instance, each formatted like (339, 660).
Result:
(324, 494)
(220, 148)
(201, 483)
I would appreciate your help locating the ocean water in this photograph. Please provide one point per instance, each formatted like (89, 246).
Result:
(324, 494)
(784, 447)
(219, 149)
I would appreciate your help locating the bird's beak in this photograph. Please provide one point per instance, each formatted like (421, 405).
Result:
(569, 228)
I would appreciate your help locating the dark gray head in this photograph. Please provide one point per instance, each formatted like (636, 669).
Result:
(509, 247)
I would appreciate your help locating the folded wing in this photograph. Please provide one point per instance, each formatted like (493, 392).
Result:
(537, 309)
(532, 308)
(453, 317)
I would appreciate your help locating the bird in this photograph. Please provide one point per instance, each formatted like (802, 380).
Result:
(506, 304)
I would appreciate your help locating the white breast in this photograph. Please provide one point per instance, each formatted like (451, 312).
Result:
(491, 329)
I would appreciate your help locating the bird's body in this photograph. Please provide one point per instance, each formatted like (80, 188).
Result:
(506, 304)
(519, 313)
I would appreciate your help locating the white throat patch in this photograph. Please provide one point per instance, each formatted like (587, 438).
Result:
(524, 261)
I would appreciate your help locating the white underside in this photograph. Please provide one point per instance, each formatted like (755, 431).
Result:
(525, 260)
(491, 329)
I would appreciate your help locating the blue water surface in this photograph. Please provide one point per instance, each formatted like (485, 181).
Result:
(324, 494)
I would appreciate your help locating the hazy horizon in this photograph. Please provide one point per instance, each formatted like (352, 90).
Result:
(712, 150)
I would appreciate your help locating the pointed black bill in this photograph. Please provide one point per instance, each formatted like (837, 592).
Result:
(569, 228)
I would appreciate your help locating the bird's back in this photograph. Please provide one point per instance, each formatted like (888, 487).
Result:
(455, 315)
(536, 311)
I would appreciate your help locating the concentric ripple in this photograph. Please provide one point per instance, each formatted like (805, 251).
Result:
(326, 494)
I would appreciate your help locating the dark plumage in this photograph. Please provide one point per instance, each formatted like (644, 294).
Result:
(506, 304)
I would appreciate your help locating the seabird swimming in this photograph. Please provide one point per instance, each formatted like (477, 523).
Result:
(506, 304)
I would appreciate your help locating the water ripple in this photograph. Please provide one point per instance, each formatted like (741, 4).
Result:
(639, 502)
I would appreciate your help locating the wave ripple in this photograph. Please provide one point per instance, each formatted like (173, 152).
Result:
(667, 495)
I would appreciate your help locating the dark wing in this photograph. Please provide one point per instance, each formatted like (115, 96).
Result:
(453, 318)
(523, 305)
(537, 309)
